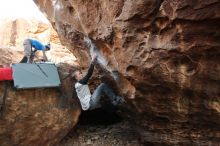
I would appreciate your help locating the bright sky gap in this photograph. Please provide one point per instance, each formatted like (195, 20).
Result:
(12, 9)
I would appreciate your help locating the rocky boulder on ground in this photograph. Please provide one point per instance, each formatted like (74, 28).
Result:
(36, 117)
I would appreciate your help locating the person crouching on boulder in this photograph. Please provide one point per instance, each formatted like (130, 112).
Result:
(29, 53)
(90, 101)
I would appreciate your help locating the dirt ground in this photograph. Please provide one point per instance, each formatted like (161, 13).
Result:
(101, 129)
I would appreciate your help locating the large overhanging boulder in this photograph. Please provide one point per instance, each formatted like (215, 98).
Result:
(167, 54)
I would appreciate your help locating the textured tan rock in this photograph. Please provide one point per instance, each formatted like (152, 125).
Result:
(166, 53)
(38, 116)
(9, 55)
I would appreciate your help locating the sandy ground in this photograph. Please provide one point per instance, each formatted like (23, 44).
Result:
(101, 129)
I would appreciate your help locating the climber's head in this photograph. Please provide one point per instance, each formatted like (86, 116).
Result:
(77, 74)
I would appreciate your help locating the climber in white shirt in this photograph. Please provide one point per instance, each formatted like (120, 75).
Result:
(91, 101)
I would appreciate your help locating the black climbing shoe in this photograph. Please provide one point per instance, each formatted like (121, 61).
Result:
(118, 101)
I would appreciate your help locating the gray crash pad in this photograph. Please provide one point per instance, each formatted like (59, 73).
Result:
(35, 75)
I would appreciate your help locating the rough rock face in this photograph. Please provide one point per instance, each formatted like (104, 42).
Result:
(167, 54)
(8, 56)
(38, 116)
(35, 117)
